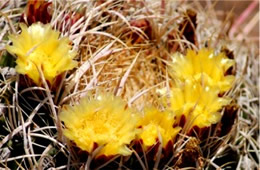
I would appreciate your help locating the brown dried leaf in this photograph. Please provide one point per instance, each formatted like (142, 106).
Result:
(190, 156)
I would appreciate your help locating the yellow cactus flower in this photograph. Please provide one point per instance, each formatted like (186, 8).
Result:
(105, 121)
(155, 123)
(40, 46)
(199, 104)
(203, 65)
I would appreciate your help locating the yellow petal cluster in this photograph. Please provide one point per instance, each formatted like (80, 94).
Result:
(203, 64)
(199, 79)
(199, 103)
(40, 46)
(156, 124)
(105, 121)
